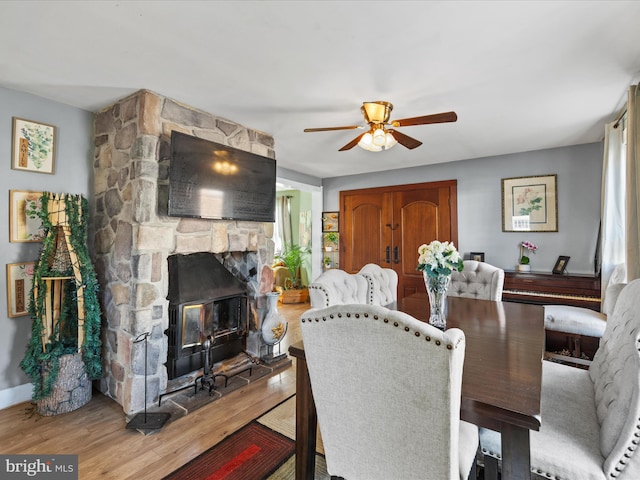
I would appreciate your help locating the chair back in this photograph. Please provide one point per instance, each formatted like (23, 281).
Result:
(477, 280)
(337, 287)
(615, 372)
(382, 284)
(387, 390)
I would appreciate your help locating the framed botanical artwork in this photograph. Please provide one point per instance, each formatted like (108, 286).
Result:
(530, 204)
(24, 222)
(329, 221)
(19, 281)
(477, 256)
(561, 264)
(33, 146)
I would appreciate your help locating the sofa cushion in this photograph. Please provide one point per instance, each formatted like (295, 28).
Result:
(567, 445)
(577, 320)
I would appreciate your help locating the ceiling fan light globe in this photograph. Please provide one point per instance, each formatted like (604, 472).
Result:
(390, 141)
(379, 139)
(366, 142)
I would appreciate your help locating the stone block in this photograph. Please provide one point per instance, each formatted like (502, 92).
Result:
(144, 148)
(193, 243)
(146, 294)
(112, 202)
(104, 240)
(144, 203)
(141, 265)
(184, 115)
(156, 266)
(192, 225)
(120, 160)
(155, 238)
(124, 241)
(121, 293)
(149, 121)
(123, 271)
(238, 242)
(153, 354)
(126, 136)
(103, 122)
(157, 312)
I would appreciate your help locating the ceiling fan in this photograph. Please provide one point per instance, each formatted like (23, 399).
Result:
(377, 138)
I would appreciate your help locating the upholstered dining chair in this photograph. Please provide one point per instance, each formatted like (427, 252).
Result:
(574, 320)
(387, 389)
(590, 419)
(337, 287)
(477, 280)
(383, 284)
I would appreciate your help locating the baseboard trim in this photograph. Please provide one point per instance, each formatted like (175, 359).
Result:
(14, 395)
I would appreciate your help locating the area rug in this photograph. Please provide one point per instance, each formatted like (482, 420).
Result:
(262, 450)
(253, 452)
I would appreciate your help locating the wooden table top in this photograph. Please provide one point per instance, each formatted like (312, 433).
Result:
(502, 373)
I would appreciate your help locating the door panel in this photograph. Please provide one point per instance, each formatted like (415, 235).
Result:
(424, 216)
(364, 235)
(400, 219)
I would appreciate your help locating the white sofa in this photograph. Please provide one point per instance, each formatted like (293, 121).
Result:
(590, 419)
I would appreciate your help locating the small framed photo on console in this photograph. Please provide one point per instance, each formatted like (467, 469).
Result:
(561, 264)
(477, 256)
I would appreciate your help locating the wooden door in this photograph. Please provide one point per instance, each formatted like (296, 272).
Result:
(387, 225)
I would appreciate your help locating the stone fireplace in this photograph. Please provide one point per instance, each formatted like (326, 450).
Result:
(134, 237)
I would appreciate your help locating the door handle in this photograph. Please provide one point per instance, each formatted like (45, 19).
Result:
(395, 255)
(387, 257)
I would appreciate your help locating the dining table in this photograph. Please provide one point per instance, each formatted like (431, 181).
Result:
(501, 380)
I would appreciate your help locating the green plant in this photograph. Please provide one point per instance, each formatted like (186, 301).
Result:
(331, 237)
(39, 359)
(292, 257)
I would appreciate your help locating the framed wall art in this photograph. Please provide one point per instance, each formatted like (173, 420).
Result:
(19, 281)
(24, 222)
(561, 264)
(329, 221)
(530, 204)
(477, 256)
(33, 146)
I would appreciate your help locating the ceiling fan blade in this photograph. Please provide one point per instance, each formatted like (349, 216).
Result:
(329, 129)
(426, 119)
(352, 143)
(405, 140)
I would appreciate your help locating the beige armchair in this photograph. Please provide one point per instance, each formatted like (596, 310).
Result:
(590, 419)
(337, 287)
(387, 389)
(382, 284)
(477, 280)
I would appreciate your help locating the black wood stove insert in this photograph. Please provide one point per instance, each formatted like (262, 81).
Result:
(207, 305)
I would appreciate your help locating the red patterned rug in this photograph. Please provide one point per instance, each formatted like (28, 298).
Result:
(251, 453)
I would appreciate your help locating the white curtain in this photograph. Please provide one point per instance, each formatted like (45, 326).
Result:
(283, 234)
(612, 229)
(633, 185)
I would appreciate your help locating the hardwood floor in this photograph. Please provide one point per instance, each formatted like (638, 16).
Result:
(107, 450)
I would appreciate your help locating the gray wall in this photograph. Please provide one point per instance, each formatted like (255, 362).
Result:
(579, 170)
(72, 175)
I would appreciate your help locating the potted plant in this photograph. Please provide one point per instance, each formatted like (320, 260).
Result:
(292, 258)
(330, 241)
(524, 265)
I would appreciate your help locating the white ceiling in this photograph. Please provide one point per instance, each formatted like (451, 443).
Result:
(521, 75)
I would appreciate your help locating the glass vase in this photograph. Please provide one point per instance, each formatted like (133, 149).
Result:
(437, 290)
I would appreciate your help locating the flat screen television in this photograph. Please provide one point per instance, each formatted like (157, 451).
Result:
(214, 181)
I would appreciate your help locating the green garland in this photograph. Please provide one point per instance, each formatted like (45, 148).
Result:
(42, 366)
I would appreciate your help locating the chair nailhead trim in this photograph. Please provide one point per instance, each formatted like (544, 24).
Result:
(417, 334)
(437, 342)
(428, 338)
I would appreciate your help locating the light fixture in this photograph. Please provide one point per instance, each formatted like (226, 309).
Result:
(377, 139)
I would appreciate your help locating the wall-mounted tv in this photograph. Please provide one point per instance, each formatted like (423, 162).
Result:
(215, 181)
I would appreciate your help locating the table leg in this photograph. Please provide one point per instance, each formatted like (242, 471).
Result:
(306, 424)
(516, 456)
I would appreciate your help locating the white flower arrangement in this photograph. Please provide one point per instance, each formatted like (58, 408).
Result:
(439, 259)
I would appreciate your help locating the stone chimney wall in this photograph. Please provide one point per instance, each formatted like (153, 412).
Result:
(134, 237)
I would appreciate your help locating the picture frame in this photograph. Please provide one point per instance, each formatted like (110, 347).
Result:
(561, 264)
(330, 221)
(19, 282)
(530, 204)
(24, 222)
(33, 146)
(477, 256)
